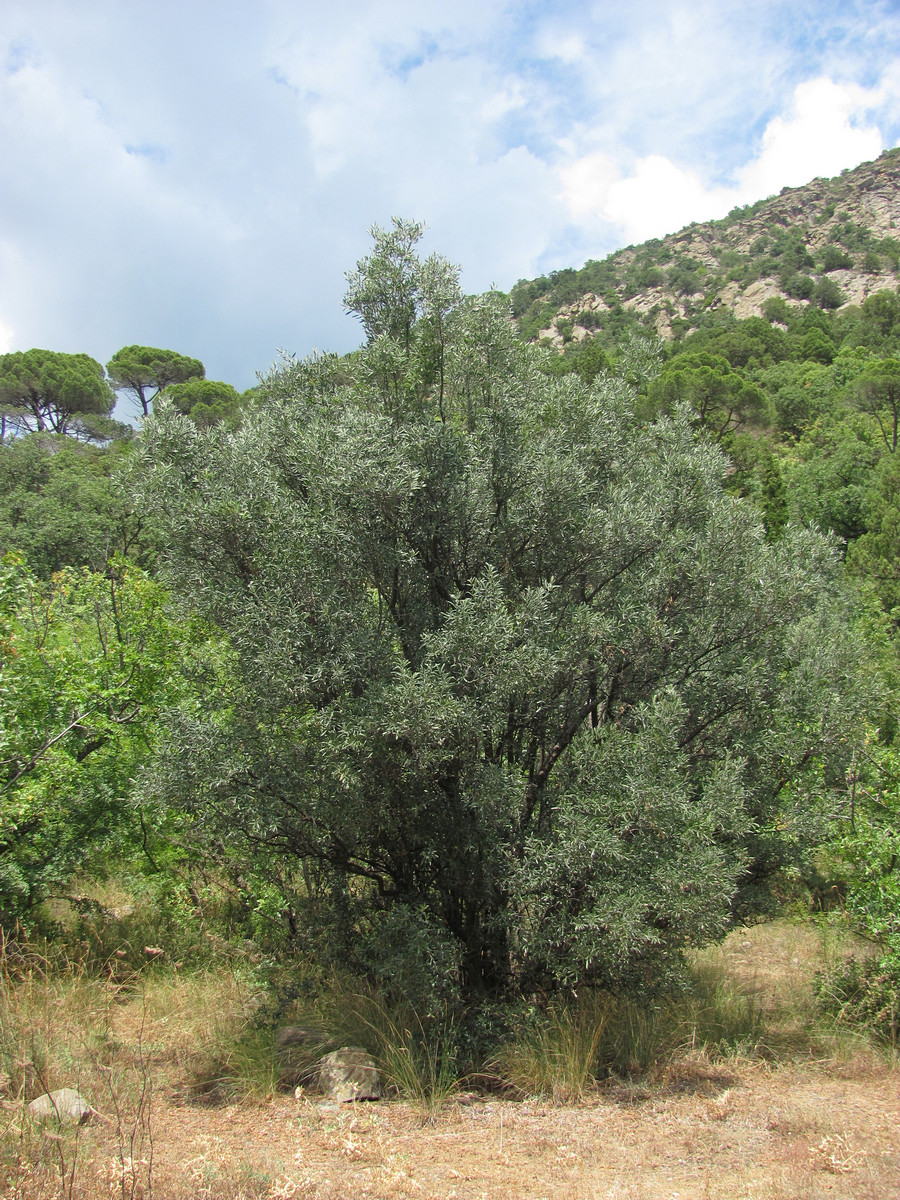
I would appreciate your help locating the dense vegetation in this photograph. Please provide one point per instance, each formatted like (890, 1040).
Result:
(508, 671)
(478, 668)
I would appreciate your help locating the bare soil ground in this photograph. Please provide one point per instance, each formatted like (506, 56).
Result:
(749, 1132)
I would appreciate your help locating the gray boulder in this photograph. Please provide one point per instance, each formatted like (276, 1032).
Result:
(64, 1106)
(348, 1074)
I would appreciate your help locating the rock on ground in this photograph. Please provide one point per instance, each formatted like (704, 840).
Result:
(64, 1105)
(349, 1074)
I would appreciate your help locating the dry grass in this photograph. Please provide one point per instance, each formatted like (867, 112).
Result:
(753, 1133)
(130, 1042)
(182, 1077)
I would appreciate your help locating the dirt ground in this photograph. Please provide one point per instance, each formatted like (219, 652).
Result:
(749, 1132)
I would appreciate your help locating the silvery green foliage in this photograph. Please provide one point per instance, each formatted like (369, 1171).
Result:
(509, 670)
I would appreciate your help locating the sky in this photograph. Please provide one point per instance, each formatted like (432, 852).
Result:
(200, 174)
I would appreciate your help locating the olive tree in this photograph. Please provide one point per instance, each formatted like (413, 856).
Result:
(517, 688)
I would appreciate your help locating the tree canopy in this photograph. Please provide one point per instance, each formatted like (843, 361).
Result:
(722, 399)
(878, 392)
(64, 504)
(144, 371)
(48, 390)
(516, 687)
(206, 401)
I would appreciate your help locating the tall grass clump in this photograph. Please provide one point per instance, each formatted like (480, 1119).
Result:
(556, 1054)
(419, 1059)
(565, 1046)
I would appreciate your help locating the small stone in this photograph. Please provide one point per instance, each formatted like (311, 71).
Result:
(65, 1106)
(349, 1074)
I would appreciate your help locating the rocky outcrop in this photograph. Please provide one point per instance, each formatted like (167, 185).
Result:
(867, 197)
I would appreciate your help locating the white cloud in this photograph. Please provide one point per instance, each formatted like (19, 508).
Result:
(657, 198)
(201, 175)
(660, 198)
(510, 97)
(819, 136)
(567, 47)
(587, 182)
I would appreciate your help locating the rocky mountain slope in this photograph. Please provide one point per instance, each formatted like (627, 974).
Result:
(830, 243)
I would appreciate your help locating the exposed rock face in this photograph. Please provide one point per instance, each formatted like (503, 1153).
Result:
(748, 301)
(349, 1074)
(64, 1107)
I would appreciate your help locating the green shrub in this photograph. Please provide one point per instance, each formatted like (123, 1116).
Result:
(866, 995)
(834, 258)
(562, 1049)
(798, 287)
(827, 294)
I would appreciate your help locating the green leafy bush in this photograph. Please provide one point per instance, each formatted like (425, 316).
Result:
(865, 994)
(504, 659)
(86, 661)
(827, 294)
(834, 258)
